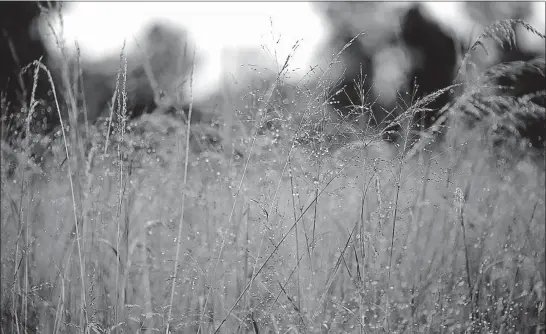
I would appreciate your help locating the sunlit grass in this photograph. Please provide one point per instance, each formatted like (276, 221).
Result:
(303, 231)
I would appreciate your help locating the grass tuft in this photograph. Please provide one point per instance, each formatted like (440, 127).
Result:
(303, 222)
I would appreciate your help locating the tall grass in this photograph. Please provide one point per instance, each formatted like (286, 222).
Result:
(319, 227)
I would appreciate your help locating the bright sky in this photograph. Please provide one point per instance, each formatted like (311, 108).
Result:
(101, 27)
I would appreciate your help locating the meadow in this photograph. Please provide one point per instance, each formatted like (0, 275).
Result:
(285, 220)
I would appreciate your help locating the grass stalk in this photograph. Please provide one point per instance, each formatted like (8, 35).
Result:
(183, 202)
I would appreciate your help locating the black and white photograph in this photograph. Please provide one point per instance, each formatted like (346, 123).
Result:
(272, 167)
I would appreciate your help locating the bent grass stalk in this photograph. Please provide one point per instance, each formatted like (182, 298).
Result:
(40, 65)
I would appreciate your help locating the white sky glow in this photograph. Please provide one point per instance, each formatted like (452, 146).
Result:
(216, 27)
(101, 27)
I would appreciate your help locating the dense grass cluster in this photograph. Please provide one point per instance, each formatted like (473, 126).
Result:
(287, 220)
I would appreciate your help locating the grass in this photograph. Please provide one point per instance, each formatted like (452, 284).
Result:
(316, 227)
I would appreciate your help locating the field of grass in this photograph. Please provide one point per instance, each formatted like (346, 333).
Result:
(144, 228)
